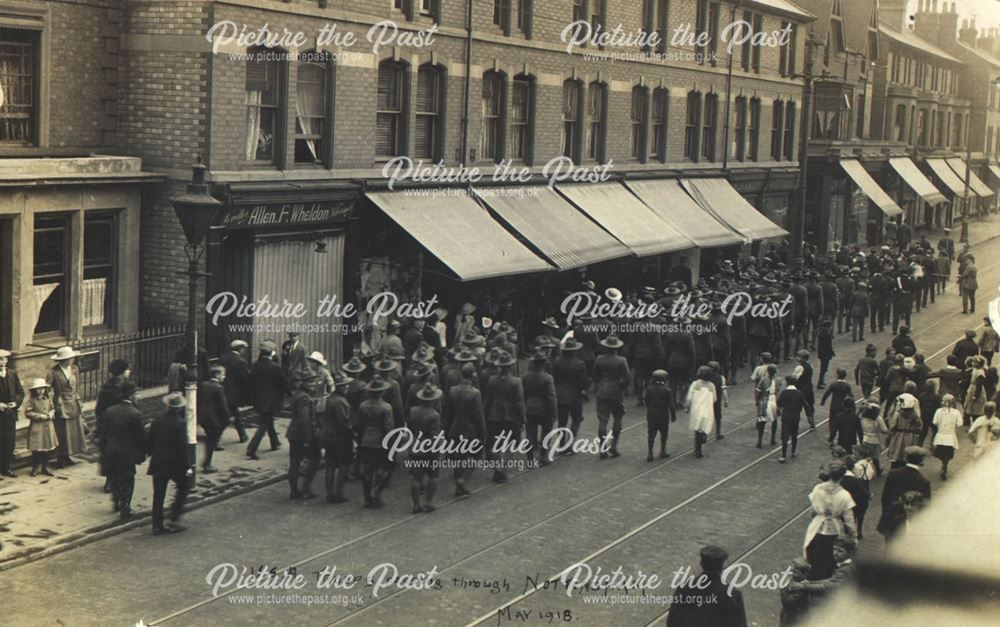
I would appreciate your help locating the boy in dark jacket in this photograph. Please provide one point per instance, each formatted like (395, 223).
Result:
(660, 412)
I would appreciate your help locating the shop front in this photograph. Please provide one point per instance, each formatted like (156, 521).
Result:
(282, 247)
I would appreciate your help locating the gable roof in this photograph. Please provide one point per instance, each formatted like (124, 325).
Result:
(857, 17)
(981, 54)
(786, 7)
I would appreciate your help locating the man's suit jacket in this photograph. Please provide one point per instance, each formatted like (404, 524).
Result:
(293, 359)
(968, 280)
(213, 410)
(11, 391)
(897, 483)
(167, 447)
(237, 383)
(65, 399)
(124, 433)
(269, 386)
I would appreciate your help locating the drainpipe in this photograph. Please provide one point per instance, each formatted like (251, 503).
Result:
(729, 95)
(805, 126)
(468, 82)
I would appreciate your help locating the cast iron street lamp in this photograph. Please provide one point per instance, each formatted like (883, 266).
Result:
(196, 211)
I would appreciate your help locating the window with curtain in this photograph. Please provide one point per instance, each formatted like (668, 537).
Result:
(50, 274)
(691, 130)
(427, 134)
(18, 77)
(900, 123)
(100, 241)
(790, 131)
(753, 130)
(922, 127)
(661, 102)
(596, 137)
(491, 140)
(390, 111)
(640, 119)
(572, 96)
(740, 129)
(522, 111)
(263, 99)
(777, 127)
(710, 119)
(311, 104)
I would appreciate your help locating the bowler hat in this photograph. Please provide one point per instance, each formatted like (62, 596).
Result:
(118, 367)
(294, 334)
(468, 308)
(429, 392)
(128, 389)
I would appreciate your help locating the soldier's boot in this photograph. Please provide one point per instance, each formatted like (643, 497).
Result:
(330, 482)
(602, 435)
(339, 481)
(614, 443)
(415, 497)
(774, 427)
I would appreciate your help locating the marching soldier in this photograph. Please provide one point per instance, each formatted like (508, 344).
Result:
(503, 402)
(571, 383)
(611, 378)
(539, 405)
(425, 423)
(465, 423)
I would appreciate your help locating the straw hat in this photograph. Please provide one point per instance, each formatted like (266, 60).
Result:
(174, 400)
(37, 383)
(64, 353)
(318, 358)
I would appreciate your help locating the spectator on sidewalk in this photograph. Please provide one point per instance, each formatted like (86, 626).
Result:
(237, 384)
(63, 379)
(985, 430)
(795, 600)
(965, 348)
(989, 341)
(708, 600)
(270, 388)
(42, 438)
(898, 483)
(833, 517)
(213, 413)
(109, 396)
(124, 448)
(167, 447)
(11, 397)
(947, 420)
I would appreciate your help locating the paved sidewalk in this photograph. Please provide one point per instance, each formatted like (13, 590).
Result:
(40, 516)
(44, 515)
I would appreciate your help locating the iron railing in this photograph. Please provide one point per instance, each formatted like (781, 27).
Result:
(148, 351)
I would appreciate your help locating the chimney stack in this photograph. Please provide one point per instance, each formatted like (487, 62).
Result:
(894, 14)
(968, 33)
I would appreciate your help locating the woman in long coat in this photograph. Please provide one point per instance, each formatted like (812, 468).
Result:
(42, 438)
(905, 426)
(63, 379)
(975, 394)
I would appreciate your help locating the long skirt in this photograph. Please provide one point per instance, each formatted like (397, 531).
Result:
(72, 438)
(42, 436)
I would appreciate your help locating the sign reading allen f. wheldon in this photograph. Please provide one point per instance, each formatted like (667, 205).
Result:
(286, 213)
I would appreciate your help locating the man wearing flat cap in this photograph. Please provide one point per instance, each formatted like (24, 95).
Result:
(900, 481)
(706, 601)
(269, 390)
(237, 383)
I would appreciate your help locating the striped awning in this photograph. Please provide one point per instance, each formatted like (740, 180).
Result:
(915, 180)
(719, 198)
(460, 233)
(626, 217)
(867, 184)
(947, 175)
(674, 206)
(978, 186)
(568, 238)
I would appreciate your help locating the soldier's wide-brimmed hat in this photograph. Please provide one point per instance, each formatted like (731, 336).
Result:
(590, 285)
(429, 392)
(465, 355)
(570, 345)
(378, 384)
(237, 344)
(672, 291)
(612, 341)
(471, 338)
(422, 355)
(613, 293)
(421, 368)
(174, 400)
(468, 308)
(355, 366)
(770, 278)
(384, 364)
(550, 322)
(493, 355)
(394, 324)
(505, 359)
(37, 383)
(317, 357)
(540, 354)
(64, 353)
(339, 379)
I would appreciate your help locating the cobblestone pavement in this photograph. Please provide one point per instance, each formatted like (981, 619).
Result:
(494, 556)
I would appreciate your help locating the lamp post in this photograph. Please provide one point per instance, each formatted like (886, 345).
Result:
(196, 209)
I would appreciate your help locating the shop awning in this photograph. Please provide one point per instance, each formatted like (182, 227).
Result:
(567, 237)
(944, 172)
(673, 205)
(982, 189)
(626, 217)
(720, 199)
(870, 188)
(916, 180)
(995, 172)
(460, 233)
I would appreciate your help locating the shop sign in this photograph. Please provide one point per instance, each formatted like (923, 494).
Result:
(286, 214)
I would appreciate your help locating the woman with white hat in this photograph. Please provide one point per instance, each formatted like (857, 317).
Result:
(42, 437)
(905, 425)
(63, 380)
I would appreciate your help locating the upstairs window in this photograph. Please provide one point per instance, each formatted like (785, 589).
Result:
(661, 104)
(753, 130)
(571, 129)
(311, 110)
(428, 134)
(692, 122)
(710, 120)
(740, 129)
(522, 117)
(790, 131)
(390, 111)
(263, 105)
(640, 120)
(491, 140)
(18, 86)
(597, 122)
(777, 127)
